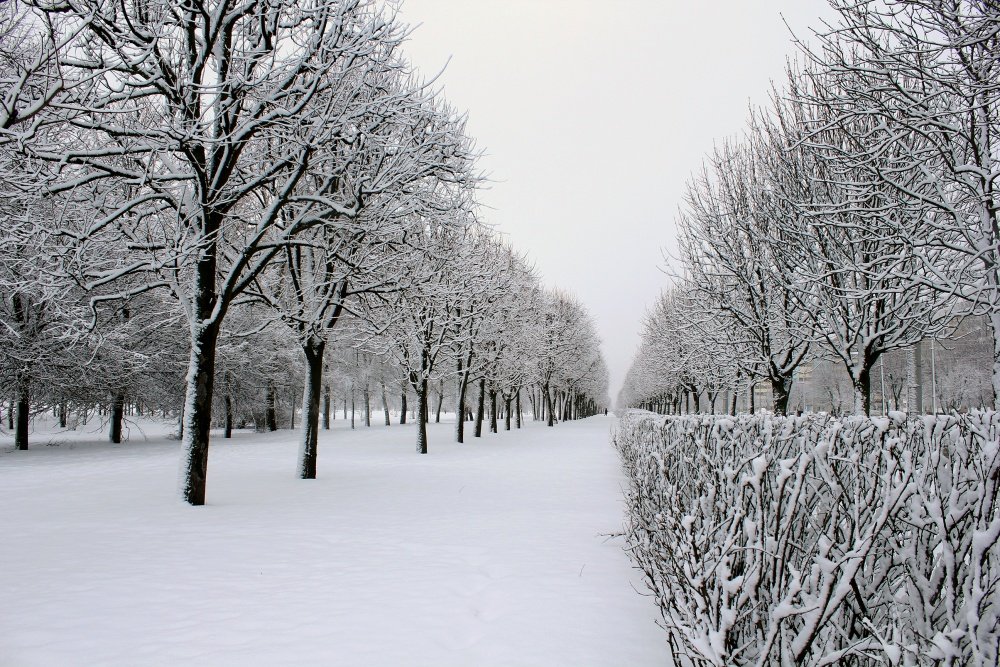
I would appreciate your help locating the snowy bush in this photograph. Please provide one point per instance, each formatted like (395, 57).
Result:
(818, 541)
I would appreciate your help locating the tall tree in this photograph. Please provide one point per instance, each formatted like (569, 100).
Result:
(927, 75)
(195, 150)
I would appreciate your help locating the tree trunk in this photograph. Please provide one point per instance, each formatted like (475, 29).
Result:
(781, 389)
(229, 405)
(63, 410)
(481, 410)
(385, 404)
(548, 404)
(368, 406)
(422, 416)
(21, 412)
(291, 420)
(517, 399)
(313, 349)
(352, 406)
(733, 395)
(463, 385)
(197, 416)
(117, 417)
(228, 432)
(270, 418)
(402, 407)
(493, 411)
(326, 408)
(995, 327)
(437, 416)
(506, 412)
(915, 393)
(862, 391)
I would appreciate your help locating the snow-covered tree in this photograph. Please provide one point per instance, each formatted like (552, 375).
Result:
(730, 248)
(195, 149)
(393, 168)
(567, 353)
(850, 248)
(926, 78)
(415, 323)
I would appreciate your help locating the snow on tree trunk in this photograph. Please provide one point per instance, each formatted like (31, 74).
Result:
(781, 389)
(422, 416)
(861, 385)
(197, 418)
(313, 349)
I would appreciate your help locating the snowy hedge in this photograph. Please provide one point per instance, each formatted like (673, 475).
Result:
(818, 541)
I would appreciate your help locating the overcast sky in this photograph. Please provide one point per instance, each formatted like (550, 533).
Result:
(592, 115)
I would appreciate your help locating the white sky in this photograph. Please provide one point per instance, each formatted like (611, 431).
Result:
(592, 115)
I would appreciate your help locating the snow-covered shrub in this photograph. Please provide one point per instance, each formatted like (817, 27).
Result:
(819, 541)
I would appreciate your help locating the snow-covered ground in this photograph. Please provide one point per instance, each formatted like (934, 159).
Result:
(488, 553)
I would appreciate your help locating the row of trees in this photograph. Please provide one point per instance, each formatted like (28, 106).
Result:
(193, 190)
(858, 214)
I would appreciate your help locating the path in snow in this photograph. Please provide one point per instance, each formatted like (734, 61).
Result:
(488, 553)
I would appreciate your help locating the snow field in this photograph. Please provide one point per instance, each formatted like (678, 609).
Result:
(487, 553)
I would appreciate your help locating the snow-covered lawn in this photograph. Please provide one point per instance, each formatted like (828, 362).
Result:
(488, 553)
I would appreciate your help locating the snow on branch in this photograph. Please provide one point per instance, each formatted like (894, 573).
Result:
(813, 540)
